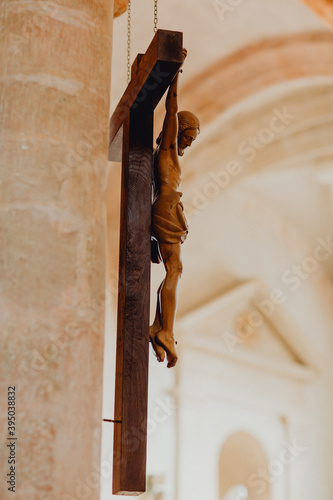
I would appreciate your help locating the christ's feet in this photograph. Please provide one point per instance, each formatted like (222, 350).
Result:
(167, 341)
(159, 351)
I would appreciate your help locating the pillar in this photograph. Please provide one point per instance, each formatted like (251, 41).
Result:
(120, 7)
(54, 110)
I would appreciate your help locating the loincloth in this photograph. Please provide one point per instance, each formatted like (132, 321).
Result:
(168, 220)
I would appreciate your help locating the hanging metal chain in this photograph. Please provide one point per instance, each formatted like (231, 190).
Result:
(129, 41)
(155, 16)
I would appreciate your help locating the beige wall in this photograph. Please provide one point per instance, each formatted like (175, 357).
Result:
(55, 85)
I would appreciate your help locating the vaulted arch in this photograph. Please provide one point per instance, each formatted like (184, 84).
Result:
(241, 459)
(255, 68)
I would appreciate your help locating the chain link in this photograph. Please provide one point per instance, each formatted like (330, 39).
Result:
(129, 41)
(129, 35)
(155, 16)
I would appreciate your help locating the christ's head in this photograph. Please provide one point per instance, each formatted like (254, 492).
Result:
(188, 129)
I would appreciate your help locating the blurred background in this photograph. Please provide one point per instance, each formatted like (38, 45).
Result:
(247, 412)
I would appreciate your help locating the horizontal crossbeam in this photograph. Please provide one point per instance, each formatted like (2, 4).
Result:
(152, 73)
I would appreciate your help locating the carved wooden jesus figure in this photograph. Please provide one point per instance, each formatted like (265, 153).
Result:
(169, 226)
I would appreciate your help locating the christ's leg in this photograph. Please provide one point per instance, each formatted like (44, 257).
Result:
(169, 297)
(157, 327)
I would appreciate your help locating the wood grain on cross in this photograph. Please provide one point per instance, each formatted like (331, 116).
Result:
(131, 130)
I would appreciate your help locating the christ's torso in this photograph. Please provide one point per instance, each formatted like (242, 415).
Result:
(167, 173)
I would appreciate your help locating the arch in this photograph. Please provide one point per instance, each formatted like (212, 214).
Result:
(255, 68)
(304, 137)
(323, 8)
(241, 459)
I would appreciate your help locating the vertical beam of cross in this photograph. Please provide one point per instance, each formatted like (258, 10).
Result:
(130, 436)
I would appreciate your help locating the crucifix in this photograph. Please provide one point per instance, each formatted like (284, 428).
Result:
(131, 131)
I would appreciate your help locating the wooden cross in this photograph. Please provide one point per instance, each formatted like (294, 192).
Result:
(131, 126)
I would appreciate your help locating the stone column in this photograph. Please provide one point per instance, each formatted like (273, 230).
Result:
(120, 7)
(54, 110)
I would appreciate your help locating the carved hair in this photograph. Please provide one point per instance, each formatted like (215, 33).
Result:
(186, 120)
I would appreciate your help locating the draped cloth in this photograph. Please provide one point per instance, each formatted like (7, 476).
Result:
(169, 224)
